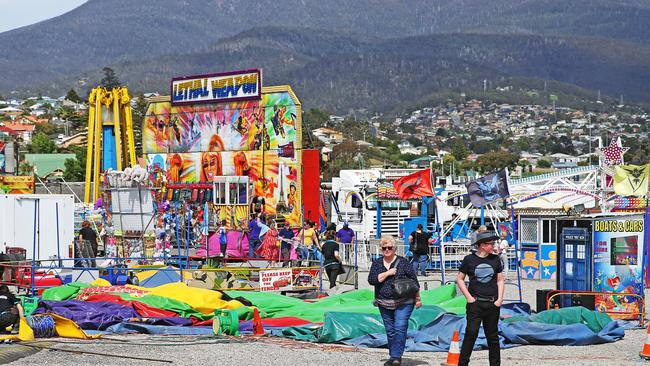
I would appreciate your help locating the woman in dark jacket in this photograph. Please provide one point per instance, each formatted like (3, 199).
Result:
(331, 257)
(394, 311)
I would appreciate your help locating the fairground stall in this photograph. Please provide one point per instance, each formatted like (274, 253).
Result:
(601, 261)
(224, 151)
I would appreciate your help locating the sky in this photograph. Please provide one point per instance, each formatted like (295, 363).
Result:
(19, 13)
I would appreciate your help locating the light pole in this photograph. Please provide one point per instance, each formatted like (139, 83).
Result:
(589, 117)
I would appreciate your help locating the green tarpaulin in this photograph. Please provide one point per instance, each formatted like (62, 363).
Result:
(65, 292)
(356, 302)
(574, 315)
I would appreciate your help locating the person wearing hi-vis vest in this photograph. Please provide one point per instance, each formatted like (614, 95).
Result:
(484, 297)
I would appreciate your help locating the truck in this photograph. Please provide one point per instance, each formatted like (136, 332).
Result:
(354, 194)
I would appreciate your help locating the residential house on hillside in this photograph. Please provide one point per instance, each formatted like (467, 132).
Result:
(336, 119)
(532, 158)
(24, 131)
(30, 120)
(328, 135)
(406, 147)
(423, 162)
(564, 161)
(79, 139)
(38, 109)
(11, 112)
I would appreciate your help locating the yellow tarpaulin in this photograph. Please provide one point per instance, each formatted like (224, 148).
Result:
(65, 328)
(203, 300)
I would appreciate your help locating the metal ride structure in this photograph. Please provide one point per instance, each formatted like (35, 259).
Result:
(568, 188)
(111, 143)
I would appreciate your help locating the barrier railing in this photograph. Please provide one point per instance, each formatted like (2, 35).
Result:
(452, 256)
(616, 314)
(34, 276)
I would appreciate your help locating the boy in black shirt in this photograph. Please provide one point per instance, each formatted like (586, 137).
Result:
(484, 297)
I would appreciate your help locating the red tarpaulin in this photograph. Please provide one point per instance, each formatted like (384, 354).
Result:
(141, 308)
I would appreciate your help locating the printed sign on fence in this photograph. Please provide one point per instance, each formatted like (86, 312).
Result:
(276, 279)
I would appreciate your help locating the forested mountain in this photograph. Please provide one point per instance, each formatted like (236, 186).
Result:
(340, 54)
(341, 72)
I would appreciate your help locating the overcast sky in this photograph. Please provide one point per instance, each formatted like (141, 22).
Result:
(19, 13)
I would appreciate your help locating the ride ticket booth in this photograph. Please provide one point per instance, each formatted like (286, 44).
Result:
(601, 261)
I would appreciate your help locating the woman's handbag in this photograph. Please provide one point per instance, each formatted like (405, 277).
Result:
(405, 288)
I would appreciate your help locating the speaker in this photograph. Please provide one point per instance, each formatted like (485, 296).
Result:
(541, 299)
(588, 301)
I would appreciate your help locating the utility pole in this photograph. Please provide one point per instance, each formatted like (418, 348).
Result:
(589, 117)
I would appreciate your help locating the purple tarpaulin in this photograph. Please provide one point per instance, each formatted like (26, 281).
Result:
(88, 315)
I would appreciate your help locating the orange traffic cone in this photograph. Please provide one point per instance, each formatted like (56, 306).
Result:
(645, 353)
(258, 328)
(453, 355)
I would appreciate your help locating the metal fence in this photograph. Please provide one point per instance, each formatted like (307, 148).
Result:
(362, 254)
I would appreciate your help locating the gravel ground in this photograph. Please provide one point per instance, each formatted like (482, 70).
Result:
(192, 350)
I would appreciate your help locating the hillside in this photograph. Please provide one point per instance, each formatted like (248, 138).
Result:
(340, 72)
(339, 54)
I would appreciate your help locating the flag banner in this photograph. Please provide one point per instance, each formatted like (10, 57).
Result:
(322, 216)
(488, 189)
(414, 185)
(631, 180)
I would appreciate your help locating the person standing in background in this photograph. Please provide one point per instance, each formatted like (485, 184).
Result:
(285, 235)
(331, 258)
(254, 228)
(89, 236)
(502, 251)
(223, 238)
(345, 235)
(419, 245)
(310, 241)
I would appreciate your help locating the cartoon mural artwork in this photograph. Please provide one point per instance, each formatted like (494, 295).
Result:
(618, 251)
(2, 157)
(529, 267)
(258, 139)
(17, 185)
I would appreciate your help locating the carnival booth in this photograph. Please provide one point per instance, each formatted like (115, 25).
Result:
(601, 261)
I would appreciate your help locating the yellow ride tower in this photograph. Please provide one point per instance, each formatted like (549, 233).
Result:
(110, 136)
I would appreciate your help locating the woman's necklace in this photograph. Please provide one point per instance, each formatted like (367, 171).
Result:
(388, 264)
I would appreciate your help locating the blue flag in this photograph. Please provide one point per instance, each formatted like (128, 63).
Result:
(488, 189)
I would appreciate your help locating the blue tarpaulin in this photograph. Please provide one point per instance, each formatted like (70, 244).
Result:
(436, 336)
(143, 328)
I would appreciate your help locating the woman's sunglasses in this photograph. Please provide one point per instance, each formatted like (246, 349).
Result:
(387, 248)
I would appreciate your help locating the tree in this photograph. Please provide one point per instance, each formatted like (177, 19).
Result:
(459, 149)
(523, 144)
(482, 147)
(43, 144)
(47, 128)
(496, 160)
(316, 117)
(73, 96)
(110, 80)
(448, 164)
(543, 163)
(414, 141)
(75, 168)
(441, 132)
(342, 158)
(26, 168)
(138, 113)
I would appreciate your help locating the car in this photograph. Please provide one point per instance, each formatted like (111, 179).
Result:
(281, 282)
